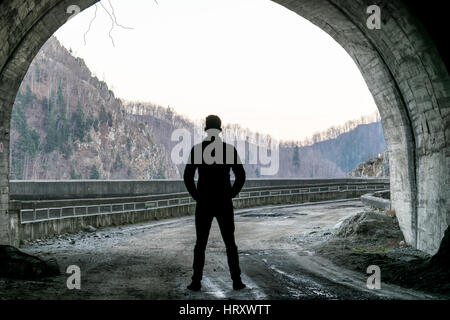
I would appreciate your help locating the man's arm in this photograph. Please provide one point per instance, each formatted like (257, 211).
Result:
(188, 176)
(239, 173)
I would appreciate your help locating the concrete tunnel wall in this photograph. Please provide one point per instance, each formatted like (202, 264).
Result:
(399, 62)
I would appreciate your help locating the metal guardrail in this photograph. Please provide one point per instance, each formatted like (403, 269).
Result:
(56, 213)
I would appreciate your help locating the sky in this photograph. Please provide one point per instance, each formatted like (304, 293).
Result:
(251, 62)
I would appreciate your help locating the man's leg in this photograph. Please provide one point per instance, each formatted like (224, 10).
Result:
(202, 226)
(226, 225)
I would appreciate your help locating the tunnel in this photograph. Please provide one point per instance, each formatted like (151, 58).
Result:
(402, 61)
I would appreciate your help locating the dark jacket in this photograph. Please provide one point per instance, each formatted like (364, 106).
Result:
(214, 183)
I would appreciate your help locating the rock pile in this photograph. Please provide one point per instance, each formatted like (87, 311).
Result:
(377, 167)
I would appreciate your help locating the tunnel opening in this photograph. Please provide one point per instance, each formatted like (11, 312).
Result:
(59, 96)
(67, 119)
(412, 105)
(409, 85)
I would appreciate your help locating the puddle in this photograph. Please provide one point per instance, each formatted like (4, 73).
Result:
(345, 206)
(273, 214)
(304, 282)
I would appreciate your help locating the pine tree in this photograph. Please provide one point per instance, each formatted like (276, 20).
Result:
(110, 121)
(28, 96)
(62, 124)
(94, 174)
(79, 123)
(74, 175)
(296, 158)
(103, 117)
(95, 124)
(50, 126)
(28, 142)
(118, 164)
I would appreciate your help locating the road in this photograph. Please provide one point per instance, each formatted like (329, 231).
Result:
(153, 260)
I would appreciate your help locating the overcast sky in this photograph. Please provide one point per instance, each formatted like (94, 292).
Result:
(251, 62)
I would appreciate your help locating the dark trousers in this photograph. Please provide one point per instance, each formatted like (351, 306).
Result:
(204, 215)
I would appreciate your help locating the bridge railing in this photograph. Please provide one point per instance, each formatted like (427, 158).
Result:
(36, 211)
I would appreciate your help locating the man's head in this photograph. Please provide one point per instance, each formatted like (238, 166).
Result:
(213, 122)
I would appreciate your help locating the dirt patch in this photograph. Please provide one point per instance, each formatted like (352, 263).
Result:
(374, 238)
(371, 229)
(273, 214)
(345, 206)
(153, 260)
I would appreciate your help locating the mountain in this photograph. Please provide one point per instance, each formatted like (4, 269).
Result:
(67, 124)
(163, 121)
(350, 148)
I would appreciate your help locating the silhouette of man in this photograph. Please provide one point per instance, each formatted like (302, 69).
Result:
(214, 193)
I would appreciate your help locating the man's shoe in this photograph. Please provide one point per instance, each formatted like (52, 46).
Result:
(195, 286)
(238, 285)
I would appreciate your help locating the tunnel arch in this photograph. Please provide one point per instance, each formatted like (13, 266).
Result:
(399, 62)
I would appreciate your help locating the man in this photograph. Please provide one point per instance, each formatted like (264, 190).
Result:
(214, 159)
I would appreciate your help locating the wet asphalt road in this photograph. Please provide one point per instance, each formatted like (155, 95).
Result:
(153, 260)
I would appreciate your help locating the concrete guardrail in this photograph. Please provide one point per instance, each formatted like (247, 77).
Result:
(376, 200)
(47, 208)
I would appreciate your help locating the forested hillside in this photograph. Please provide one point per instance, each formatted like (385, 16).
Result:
(67, 124)
(350, 148)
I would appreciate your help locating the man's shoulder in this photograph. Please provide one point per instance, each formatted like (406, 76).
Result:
(204, 143)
